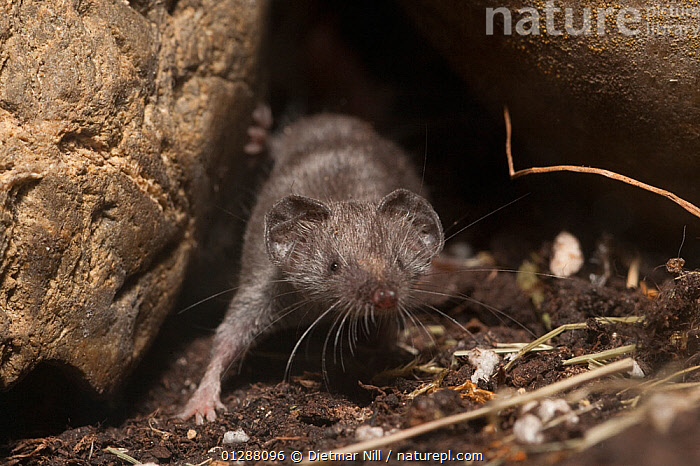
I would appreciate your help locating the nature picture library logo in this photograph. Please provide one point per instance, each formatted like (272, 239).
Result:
(678, 20)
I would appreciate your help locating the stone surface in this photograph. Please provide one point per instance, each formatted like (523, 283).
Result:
(628, 103)
(118, 122)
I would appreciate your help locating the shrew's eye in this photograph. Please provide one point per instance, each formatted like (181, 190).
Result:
(334, 266)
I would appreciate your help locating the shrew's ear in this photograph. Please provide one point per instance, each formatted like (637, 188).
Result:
(287, 224)
(419, 213)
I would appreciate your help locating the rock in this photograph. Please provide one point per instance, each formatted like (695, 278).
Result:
(567, 258)
(366, 432)
(624, 102)
(235, 437)
(118, 122)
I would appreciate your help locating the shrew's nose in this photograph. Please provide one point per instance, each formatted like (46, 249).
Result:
(384, 297)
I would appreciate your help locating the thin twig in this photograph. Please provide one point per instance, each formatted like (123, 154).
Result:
(692, 208)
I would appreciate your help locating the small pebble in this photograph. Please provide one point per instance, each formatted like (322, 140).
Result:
(235, 437)
(191, 434)
(636, 372)
(549, 409)
(528, 429)
(567, 258)
(365, 432)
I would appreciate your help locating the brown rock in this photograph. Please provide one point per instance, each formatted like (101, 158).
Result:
(114, 119)
(628, 103)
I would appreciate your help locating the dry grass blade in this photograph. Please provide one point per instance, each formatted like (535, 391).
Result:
(492, 408)
(655, 383)
(647, 413)
(565, 327)
(428, 386)
(601, 356)
(502, 348)
(692, 208)
(617, 425)
(120, 454)
(543, 338)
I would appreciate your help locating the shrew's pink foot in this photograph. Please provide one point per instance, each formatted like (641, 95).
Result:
(203, 404)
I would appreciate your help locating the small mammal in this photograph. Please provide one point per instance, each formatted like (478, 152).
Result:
(337, 232)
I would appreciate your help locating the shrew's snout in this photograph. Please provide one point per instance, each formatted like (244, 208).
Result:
(384, 297)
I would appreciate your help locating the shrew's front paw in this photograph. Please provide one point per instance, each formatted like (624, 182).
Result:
(203, 405)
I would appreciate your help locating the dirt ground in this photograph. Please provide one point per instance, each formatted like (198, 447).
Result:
(612, 420)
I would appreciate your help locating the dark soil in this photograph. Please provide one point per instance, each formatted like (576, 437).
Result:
(308, 414)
